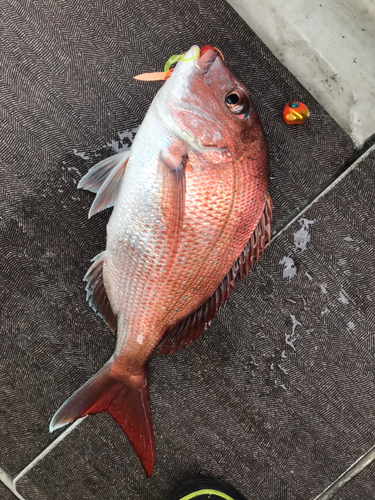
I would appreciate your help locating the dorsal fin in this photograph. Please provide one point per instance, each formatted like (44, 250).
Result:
(96, 295)
(104, 179)
(191, 327)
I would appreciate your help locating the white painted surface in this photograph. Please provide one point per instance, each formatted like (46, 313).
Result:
(329, 46)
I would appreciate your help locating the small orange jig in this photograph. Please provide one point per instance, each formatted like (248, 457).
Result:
(295, 113)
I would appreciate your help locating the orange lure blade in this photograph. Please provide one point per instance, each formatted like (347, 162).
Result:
(151, 77)
(164, 75)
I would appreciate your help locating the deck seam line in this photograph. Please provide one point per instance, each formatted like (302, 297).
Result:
(47, 450)
(8, 482)
(322, 193)
(357, 467)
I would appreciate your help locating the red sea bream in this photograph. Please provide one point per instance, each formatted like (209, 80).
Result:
(191, 213)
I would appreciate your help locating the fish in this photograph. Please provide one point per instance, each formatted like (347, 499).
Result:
(191, 213)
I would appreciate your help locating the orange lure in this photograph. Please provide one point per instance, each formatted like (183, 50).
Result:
(191, 214)
(295, 113)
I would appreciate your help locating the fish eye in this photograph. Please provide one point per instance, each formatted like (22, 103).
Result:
(237, 103)
(232, 99)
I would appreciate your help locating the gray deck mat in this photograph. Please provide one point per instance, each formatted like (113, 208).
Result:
(66, 83)
(5, 494)
(278, 396)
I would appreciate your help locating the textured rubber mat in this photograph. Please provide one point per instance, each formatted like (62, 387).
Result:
(5, 494)
(277, 397)
(67, 98)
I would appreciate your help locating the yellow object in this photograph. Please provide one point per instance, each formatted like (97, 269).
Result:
(164, 75)
(196, 494)
(195, 56)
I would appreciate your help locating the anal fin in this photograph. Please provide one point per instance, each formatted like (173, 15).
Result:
(190, 328)
(96, 294)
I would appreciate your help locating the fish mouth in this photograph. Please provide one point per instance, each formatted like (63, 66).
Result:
(202, 58)
(206, 60)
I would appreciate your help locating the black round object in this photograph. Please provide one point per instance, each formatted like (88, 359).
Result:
(205, 488)
(232, 98)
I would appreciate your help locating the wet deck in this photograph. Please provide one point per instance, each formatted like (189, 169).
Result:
(278, 396)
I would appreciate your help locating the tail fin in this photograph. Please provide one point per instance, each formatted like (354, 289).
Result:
(126, 400)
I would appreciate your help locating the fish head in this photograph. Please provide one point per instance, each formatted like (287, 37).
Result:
(208, 107)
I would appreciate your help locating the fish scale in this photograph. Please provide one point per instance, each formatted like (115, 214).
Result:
(188, 219)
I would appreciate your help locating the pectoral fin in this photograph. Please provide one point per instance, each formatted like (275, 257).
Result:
(172, 166)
